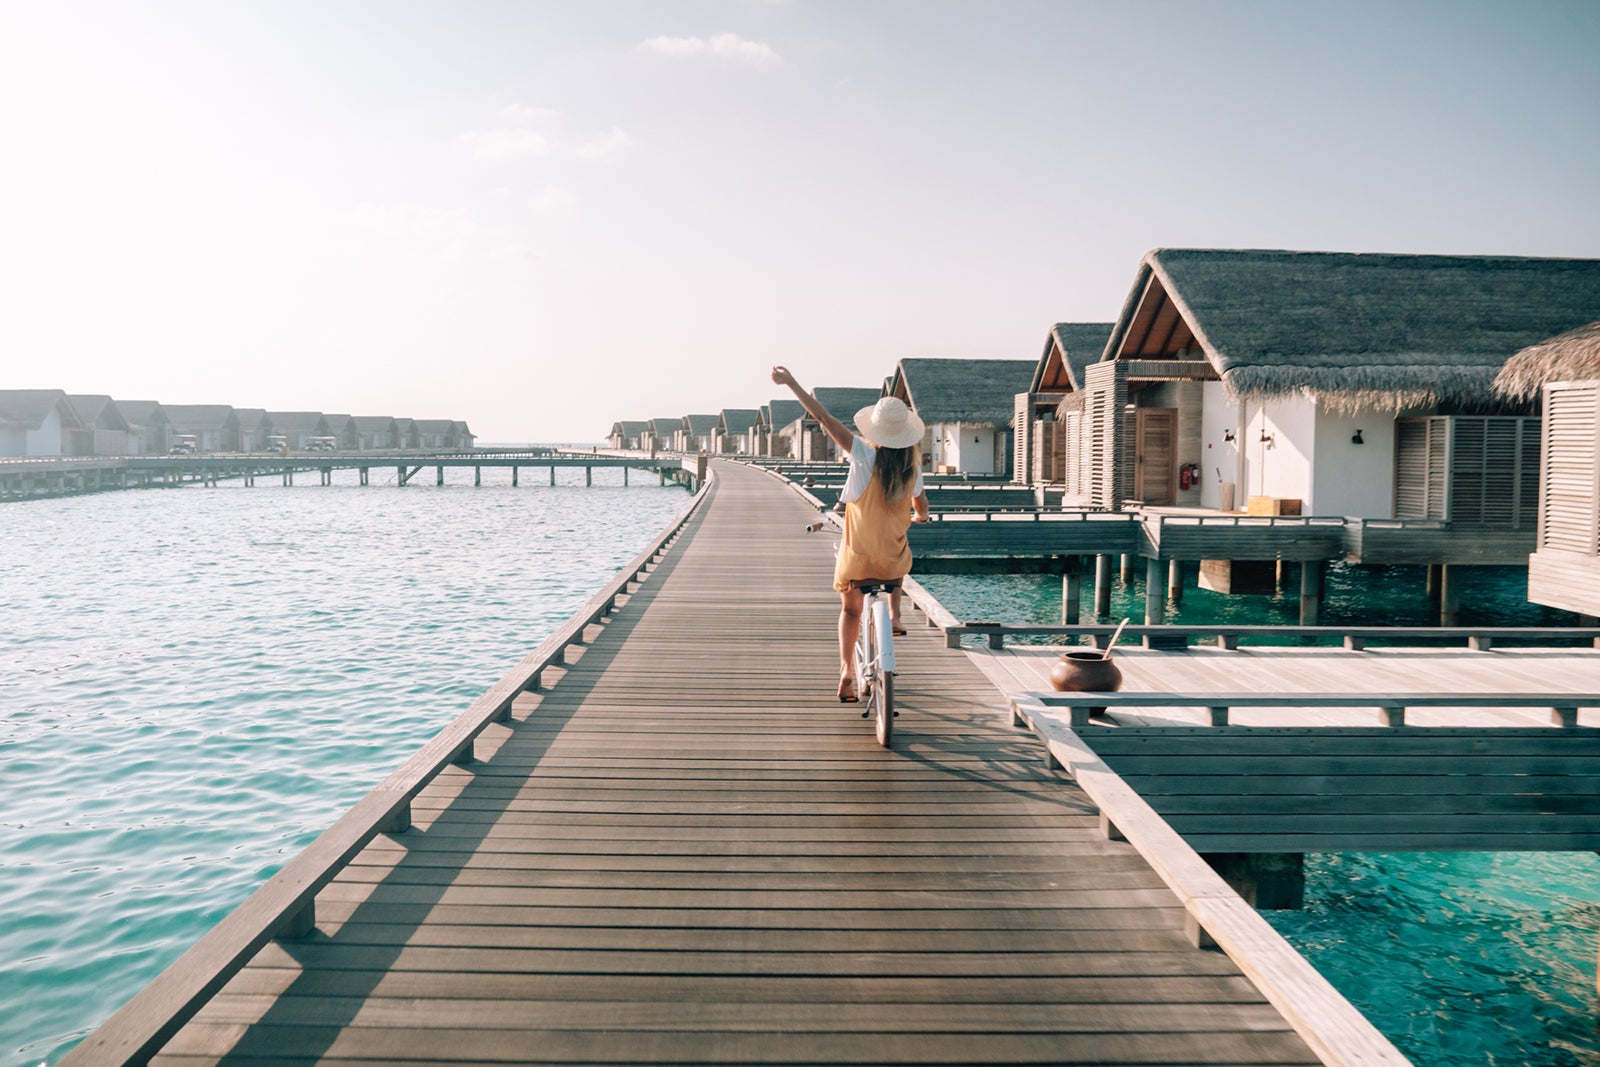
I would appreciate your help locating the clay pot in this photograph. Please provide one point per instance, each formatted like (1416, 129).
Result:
(1085, 672)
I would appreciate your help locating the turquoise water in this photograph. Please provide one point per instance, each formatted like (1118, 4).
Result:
(195, 682)
(1462, 959)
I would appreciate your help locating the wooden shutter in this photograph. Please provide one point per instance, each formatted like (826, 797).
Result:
(1022, 467)
(1570, 496)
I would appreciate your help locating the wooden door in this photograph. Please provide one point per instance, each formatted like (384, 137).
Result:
(1154, 476)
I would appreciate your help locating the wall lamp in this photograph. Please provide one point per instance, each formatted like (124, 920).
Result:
(1266, 438)
(1229, 435)
(1355, 438)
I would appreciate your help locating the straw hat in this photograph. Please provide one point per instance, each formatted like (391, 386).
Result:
(889, 424)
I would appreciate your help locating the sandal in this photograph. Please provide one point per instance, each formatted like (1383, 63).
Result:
(847, 691)
(897, 630)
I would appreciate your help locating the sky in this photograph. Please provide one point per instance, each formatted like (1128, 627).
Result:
(542, 217)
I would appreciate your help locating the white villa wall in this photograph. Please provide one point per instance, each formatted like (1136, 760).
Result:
(1219, 413)
(1354, 479)
(14, 442)
(1280, 467)
(968, 448)
(46, 440)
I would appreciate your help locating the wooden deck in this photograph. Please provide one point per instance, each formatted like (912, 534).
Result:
(684, 850)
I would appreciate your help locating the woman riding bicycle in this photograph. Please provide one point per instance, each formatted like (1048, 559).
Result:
(882, 489)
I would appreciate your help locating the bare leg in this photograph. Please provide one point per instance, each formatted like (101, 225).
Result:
(894, 609)
(849, 630)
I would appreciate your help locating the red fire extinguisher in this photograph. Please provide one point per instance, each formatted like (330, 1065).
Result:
(1188, 475)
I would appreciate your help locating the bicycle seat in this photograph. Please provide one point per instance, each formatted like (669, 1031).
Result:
(876, 585)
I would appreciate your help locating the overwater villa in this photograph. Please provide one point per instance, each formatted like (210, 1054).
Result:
(1564, 569)
(103, 431)
(296, 427)
(147, 427)
(36, 422)
(1325, 383)
(695, 433)
(254, 429)
(374, 431)
(661, 435)
(214, 427)
(627, 434)
(967, 406)
(771, 441)
(735, 427)
(1039, 448)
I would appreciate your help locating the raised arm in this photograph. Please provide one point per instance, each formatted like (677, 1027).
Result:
(835, 429)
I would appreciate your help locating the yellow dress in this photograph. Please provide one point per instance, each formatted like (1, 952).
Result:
(874, 542)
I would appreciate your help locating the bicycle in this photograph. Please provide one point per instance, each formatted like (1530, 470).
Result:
(874, 663)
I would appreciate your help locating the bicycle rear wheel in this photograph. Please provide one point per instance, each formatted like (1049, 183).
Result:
(883, 706)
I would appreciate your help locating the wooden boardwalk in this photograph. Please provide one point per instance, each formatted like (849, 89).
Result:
(684, 850)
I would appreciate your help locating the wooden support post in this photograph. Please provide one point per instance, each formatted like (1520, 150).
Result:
(1155, 575)
(1126, 571)
(1102, 586)
(366, 478)
(1071, 592)
(624, 477)
(1175, 581)
(1566, 718)
(300, 923)
(477, 477)
(1269, 881)
(1354, 643)
(1449, 594)
(588, 476)
(552, 474)
(1432, 583)
(515, 470)
(438, 475)
(400, 476)
(1312, 572)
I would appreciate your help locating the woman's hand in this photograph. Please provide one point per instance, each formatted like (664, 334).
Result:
(781, 376)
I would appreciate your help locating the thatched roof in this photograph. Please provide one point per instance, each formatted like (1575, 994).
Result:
(739, 420)
(781, 413)
(844, 402)
(629, 427)
(1573, 356)
(29, 408)
(200, 416)
(142, 412)
(311, 422)
(1392, 331)
(251, 417)
(975, 391)
(379, 423)
(665, 427)
(435, 425)
(700, 425)
(1069, 348)
(97, 411)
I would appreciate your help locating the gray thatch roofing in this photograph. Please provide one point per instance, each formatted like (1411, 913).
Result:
(781, 413)
(297, 421)
(459, 428)
(30, 407)
(629, 427)
(373, 422)
(200, 416)
(1080, 344)
(739, 420)
(665, 427)
(97, 411)
(435, 425)
(976, 391)
(142, 412)
(338, 423)
(700, 425)
(845, 401)
(1573, 356)
(250, 416)
(1357, 329)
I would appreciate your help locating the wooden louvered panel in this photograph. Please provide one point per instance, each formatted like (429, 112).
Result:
(1438, 480)
(1411, 469)
(1022, 469)
(1569, 511)
(1466, 465)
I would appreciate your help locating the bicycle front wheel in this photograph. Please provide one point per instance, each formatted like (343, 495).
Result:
(883, 706)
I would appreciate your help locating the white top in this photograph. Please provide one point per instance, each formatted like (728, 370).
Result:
(861, 456)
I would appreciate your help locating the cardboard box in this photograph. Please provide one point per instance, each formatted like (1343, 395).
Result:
(1273, 505)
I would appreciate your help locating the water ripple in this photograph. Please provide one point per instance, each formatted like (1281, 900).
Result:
(195, 683)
